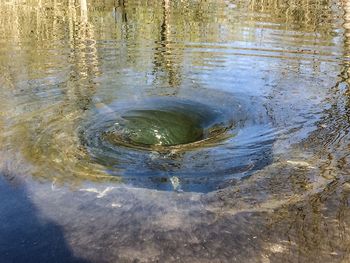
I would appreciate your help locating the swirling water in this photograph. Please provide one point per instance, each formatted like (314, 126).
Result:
(90, 87)
(152, 157)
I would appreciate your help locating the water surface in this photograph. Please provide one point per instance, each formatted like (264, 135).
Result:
(263, 178)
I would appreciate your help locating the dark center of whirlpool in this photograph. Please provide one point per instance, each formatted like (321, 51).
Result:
(181, 144)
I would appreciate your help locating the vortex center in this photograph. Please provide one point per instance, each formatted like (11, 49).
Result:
(166, 127)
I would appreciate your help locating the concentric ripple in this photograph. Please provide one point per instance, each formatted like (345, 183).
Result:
(173, 143)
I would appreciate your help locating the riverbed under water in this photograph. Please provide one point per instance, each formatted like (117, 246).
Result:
(259, 171)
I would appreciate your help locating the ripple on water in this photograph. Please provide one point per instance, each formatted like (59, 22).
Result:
(179, 143)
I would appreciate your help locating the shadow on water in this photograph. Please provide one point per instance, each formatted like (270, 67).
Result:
(25, 236)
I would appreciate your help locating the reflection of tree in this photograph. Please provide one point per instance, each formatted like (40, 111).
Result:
(49, 135)
(83, 54)
(120, 10)
(336, 119)
(346, 25)
(167, 57)
(302, 15)
(318, 223)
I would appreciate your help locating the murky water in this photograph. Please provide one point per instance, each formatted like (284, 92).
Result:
(174, 131)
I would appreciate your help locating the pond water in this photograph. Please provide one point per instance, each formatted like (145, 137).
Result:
(174, 131)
